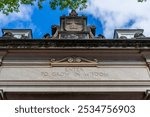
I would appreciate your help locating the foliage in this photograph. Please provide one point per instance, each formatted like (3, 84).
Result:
(9, 6)
(141, 0)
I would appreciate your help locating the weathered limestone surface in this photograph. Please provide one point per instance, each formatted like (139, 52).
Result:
(98, 65)
(74, 73)
(74, 60)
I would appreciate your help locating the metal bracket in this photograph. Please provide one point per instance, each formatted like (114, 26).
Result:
(147, 95)
(1, 95)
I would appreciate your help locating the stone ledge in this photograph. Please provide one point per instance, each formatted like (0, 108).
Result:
(83, 43)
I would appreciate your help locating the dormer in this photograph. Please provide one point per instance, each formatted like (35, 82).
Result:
(17, 33)
(128, 33)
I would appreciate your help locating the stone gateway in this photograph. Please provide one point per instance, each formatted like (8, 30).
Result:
(74, 63)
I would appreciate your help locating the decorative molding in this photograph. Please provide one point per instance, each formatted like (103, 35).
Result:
(73, 62)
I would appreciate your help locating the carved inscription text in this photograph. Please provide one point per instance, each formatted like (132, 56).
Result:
(74, 73)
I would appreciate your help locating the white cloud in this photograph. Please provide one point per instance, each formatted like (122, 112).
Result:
(119, 13)
(24, 15)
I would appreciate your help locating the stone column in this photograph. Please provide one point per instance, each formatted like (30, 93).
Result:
(2, 55)
(146, 56)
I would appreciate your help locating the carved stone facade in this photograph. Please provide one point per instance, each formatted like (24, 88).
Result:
(73, 27)
(68, 67)
(73, 62)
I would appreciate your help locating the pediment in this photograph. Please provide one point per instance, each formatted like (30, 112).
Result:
(73, 62)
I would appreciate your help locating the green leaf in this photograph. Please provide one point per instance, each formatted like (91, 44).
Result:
(9, 6)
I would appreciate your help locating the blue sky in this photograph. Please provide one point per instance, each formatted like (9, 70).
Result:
(106, 15)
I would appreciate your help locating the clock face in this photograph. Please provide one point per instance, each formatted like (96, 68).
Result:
(74, 25)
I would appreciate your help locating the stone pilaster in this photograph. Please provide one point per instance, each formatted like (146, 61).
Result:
(146, 56)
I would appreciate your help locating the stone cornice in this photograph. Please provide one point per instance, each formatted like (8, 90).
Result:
(97, 86)
(66, 43)
(76, 83)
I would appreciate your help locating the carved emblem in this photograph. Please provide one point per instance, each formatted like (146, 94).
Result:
(73, 13)
(73, 61)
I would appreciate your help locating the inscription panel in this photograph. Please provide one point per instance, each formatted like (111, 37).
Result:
(75, 73)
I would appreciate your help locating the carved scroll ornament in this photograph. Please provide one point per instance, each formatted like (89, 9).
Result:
(73, 62)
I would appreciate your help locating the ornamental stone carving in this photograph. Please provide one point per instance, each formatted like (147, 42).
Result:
(73, 61)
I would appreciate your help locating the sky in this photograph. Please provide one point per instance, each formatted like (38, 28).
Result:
(106, 15)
